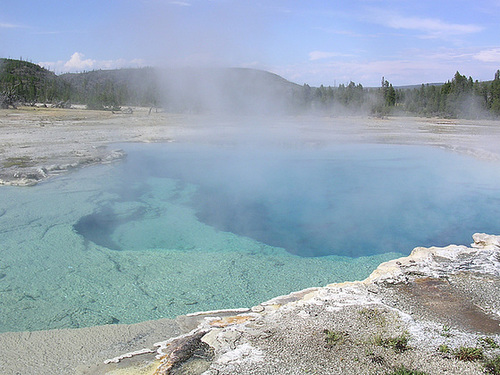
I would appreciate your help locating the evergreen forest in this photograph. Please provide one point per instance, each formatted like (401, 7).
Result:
(241, 91)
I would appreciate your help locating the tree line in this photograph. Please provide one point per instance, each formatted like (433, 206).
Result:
(25, 82)
(28, 83)
(459, 97)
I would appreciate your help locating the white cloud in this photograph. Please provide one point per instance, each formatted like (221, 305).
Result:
(430, 27)
(180, 3)
(8, 26)
(77, 63)
(321, 55)
(348, 33)
(46, 32)
(489, 55)
(413, 66)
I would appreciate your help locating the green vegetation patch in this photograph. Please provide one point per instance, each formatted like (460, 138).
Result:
(489, 342)
(21, 162)
(402, 370)
(398, 343)
(444, 348)
(446, 331)
(492, 366)
(334, 337)
(468, 354)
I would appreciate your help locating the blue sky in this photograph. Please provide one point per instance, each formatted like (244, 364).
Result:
(314, 42)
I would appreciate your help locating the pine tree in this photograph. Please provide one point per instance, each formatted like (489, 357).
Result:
(494, 94)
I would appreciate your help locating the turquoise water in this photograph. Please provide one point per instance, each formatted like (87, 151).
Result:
(179, 228)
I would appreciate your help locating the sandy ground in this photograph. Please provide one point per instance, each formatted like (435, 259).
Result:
(282, 336)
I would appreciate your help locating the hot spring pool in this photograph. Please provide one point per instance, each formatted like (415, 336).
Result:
(178, 228)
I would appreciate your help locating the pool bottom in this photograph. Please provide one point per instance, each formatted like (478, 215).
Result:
(64, 282)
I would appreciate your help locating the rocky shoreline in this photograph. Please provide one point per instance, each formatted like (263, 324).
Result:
(415, 312)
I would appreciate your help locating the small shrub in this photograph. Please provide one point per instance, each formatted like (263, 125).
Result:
(398, 344)
(405, 371)
(468, 354)
(489, 342)
(493, 366)
(444, 349)
(378, 359)
(334, 337)
(446, 331)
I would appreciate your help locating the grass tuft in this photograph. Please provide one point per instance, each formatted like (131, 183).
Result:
(444, 348)
(493, 366)
(405, 371)
(468, 354)
(334, 337)
(446, 331)
(399, 343)
(489, 342)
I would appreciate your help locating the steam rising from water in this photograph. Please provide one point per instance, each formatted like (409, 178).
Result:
(227, 91)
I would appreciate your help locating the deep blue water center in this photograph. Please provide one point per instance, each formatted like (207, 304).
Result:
(353, 200)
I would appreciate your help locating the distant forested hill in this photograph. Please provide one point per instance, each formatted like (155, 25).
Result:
(27, 82)
(183, 90)
(111, 88)
(241, 91)
(186, 89)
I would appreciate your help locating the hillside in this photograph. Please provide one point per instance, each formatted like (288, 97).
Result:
(175, 89)
(185, 89)
(27, 82)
